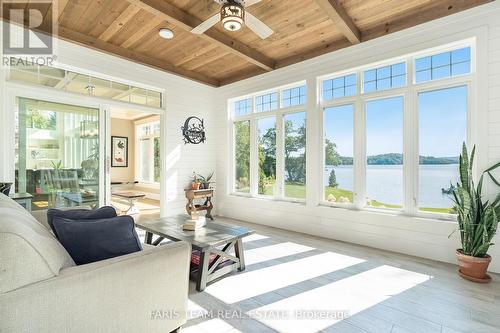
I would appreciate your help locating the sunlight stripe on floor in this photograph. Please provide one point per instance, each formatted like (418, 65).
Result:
(236, 288)
(215, 325)
(317, 309)
(254, 237)
(265, 253)
(195, 311)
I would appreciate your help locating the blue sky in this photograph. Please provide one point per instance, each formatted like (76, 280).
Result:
(339, 128)
(442, 121)
(384, 126)
(442, 124)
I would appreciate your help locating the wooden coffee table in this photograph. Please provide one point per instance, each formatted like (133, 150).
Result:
(211, 243)
(131, 197)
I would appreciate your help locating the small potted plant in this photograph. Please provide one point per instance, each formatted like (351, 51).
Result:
(206, 181)
(477, 220)
(195, 183)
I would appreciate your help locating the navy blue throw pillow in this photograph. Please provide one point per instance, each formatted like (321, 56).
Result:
(96, 240)
(79, 215)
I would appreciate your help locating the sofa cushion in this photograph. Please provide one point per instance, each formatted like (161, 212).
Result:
(79, 215)
(28, 251)
(95, 240)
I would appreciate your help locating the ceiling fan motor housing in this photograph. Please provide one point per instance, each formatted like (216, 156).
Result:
(232, 16)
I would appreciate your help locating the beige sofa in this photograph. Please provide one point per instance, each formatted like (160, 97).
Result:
(41, 289)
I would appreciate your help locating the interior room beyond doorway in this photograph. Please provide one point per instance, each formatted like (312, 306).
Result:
(135, 163)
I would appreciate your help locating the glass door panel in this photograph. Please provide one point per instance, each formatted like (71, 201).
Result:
(57, 154)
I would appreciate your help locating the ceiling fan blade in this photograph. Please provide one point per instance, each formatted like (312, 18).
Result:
(207, 24)
(257, 26)
(245, 3)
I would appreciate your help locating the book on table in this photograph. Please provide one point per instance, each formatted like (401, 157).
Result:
(194, 224)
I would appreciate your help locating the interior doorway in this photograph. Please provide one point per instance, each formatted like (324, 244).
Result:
(57, 160)
(135, 162)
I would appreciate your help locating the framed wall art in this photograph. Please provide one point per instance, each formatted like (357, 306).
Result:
(119, 151)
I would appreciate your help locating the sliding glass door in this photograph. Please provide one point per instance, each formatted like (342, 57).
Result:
(57, 157)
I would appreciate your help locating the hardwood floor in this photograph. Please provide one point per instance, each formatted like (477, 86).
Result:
(349, 288)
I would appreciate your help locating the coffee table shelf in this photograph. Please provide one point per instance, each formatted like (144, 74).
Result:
(211, 245)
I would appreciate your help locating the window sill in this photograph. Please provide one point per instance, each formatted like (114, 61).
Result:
(393, 212)
(439, 218)
(267, 198)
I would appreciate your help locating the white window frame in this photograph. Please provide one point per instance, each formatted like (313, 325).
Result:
(151, 136)
(410, 127)
(279, 113)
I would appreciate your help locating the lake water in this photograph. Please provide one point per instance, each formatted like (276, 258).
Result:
(385, 182)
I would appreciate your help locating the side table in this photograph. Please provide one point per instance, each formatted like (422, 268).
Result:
(192, 195)
(24, 199)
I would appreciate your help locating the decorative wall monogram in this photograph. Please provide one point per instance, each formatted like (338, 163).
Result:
(193, 130)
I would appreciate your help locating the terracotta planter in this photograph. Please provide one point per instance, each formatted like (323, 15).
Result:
(473, 268)
(195, 186)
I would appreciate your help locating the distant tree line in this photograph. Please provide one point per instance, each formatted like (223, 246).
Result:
(295, 156)
(382, 159)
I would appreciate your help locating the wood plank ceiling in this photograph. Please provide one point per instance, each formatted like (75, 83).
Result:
(303, 29)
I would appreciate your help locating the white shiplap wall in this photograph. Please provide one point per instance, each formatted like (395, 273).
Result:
(183, 98)
(421, 237)
(416, 236)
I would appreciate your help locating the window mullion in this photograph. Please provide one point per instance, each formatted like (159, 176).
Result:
(254, 158)
(411, 144)
(359, 164)
(151, 160)
(280, 158)
(313, 141)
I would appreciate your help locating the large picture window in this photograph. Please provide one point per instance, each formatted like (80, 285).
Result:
(408, 141)
(242, 156)
(270, 144)
(390, 135)
(338, 177)
(443, 120)
(384, 153)
(295, 155)
(148, 152)
(266, 128)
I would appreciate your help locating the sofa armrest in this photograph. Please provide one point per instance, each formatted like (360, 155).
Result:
(123, 294)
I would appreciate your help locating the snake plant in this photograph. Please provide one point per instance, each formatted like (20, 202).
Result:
(477, 220)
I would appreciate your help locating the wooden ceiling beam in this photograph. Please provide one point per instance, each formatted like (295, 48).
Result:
(186, 21)
(433, 11)
(99, 45)
(341, 19)
(241, 75)
(326, 48)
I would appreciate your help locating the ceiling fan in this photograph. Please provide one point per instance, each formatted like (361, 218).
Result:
(234, 16)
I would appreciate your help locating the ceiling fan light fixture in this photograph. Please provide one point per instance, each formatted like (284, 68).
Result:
(232, 16)
(166, 33)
